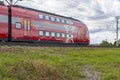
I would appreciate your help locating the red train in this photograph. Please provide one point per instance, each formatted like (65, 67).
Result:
(38, 26)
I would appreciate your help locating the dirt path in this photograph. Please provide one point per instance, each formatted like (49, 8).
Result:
(91, 74)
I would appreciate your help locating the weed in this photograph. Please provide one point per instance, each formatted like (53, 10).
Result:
(54, 63)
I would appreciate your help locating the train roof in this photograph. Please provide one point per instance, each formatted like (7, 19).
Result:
(47, 13)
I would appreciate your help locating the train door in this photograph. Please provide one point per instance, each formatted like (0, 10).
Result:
(27, 27)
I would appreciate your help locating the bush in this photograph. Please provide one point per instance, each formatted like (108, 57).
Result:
(106, 43)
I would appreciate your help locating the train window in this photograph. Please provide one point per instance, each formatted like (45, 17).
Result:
(41, 16)
(41, 33)
(57, 19)
(71, 22)
(58, 34)
(47, 34)
(60, 20)
(18, 25)
(67, 36)
(52, 19)
(47, 18)
(63, 35)
(72, 36)
(67, 21)
(63, 21)
(25, 25)
(52, 34)
(28, 24)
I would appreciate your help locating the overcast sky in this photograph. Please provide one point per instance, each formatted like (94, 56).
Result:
(98, 15)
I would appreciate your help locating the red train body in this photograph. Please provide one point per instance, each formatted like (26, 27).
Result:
(39, 26)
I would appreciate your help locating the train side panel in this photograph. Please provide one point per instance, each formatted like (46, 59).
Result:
(3, 22)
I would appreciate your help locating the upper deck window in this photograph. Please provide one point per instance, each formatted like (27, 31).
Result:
(63, 21)
(57, 19)
(52, 19)
(41, 16)
(67, 21)
(47, 18)
(71, 22)
(29, 24)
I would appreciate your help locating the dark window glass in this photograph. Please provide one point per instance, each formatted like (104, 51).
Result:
(55, 34)
(65, 22)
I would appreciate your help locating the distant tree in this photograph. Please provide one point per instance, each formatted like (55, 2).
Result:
(106, 43)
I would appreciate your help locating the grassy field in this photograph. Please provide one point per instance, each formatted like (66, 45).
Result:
(53, 63)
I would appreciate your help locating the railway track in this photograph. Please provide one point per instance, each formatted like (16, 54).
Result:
(36, 44)
(49, 45)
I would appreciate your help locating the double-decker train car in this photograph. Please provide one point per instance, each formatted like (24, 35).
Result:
(39, 26)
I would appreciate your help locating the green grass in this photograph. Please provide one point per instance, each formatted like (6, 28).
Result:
(54, 63)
